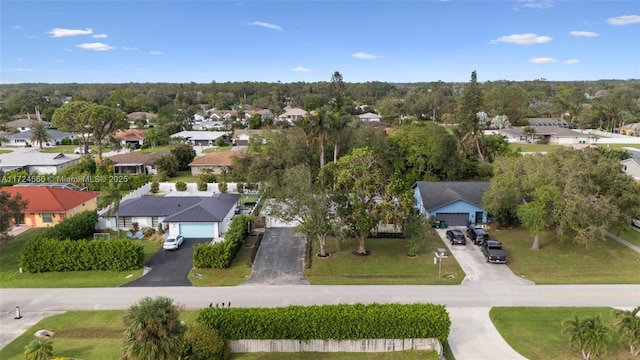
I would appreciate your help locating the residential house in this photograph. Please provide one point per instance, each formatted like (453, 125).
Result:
(630, 129)
(133, 138)
(190, 216)
(455, 202)
(48, 206)
(209, 125)
(136, 164)
(36, 162)
(215, 162)
(291, 115)
(200, 138)
(242, 137)
(25, 124)
(146, 116)
(555, 131)
(23, 139)
(631, 166)
(369, 117)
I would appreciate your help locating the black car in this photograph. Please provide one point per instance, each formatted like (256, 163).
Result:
(456, 237)
(477, 235)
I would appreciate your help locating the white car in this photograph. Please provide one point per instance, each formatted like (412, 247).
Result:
(173, 243)
(80, 150)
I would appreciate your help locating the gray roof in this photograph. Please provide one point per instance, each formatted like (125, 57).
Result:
(54, 134)
(25, 123)
(436, 194)
(181, 208)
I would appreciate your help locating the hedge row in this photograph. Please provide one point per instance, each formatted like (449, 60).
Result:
(337, 322)
(46, 254)
(220, 255)
(77, 227)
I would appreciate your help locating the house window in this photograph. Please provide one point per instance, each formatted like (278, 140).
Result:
(47, 218)
(154, 222)
(125, 222)
(524, 138)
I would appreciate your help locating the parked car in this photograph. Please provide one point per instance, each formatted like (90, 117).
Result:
(477, 235)
(80, 150)
(635, 222)
(456, 237)
(173, 243)
(493, 252)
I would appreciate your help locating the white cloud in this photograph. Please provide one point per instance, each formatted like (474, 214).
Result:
(543, 60)
(522, 39)
(155, 52)
(583, 33)
(17, 27)
(128, 48)
(624, 20)
(57, 32)
(266, 25)
(20, 70)
(572, 61)
(361, 55)
(100, 36)
(19, 59)
(301, 69)
(534, 4)
(98, 46)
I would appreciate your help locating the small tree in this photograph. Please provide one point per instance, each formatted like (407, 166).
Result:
(201, 342)
(184, 154)
(168, 164)
(415, 230)
(155, 187)
(38, 349)
(588, 334)
(627, 323)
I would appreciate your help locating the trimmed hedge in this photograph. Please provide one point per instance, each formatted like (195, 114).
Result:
(337, 322)
(77, 227)
(46, 254)
(220, 255)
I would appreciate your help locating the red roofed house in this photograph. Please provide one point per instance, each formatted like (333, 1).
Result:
(135, 137)
(47, 206)
(215, 162)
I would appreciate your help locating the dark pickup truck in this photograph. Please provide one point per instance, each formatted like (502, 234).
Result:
(492, 251)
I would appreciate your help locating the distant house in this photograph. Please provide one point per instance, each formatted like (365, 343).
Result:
(146, 116)
(136, 163)
(455, 202)
(292, 114)
(25, 124)
(215, 162)
(200, 138)
(36, 162)
(630, 129)
(555, 132)
(631, 166)
(133, 138)
(48, 206)
(23, 139)
(209, 125)
(242, 137)
(369, 117)
(190, 216)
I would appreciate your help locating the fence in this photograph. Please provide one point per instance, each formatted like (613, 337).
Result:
(362, 345)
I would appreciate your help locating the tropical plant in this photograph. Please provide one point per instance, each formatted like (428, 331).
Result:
(38, 349)
(110, 197)
(153, 330)
(39, 134)
(589, 334)
(627, 322)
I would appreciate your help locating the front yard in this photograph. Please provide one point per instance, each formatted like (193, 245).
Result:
(236, 274)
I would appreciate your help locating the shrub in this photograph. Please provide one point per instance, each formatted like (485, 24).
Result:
(204, 343)
(155, 187)
(220, 255)
(222, 187)
(148, 231)
(80, 226)
(162, 176)
(202, 186)
(65, 141)
(181, 186)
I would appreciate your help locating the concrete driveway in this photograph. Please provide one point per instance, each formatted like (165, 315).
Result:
(478, 271)
(169, 268)
(280, 259)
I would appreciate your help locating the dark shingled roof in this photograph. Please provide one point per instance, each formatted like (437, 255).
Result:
(181, 208)
(436, 194)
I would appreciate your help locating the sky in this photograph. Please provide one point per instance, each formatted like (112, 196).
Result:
(290, 41)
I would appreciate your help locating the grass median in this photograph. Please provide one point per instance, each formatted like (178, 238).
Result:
(236, 274)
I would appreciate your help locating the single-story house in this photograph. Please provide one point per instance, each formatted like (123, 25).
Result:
(631, 166)
(25, 124)
(242, 137)
(36, 162)
(132, 117)
(455, 202)
(48, 206)
(630, 129)
(200, 138)
(190, 216)
(209, 125)
(369, 117)
(23, 139)
(555, 134)
(215, 162)
(136, 163)
(131, 137)
(292, 114)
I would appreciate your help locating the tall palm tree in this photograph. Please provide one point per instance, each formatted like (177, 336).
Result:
(153, 330)
(589, 334)
(627, 323)
(111, 197)
(39, 134)
(338, 121)
(38, 349)
(321, 124)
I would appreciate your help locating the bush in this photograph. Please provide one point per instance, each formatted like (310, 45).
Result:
(337, 322)
(155, 187)
(163, 176)
(220, 255)
(181, 186)
(46, 254)
(204, 343)
(148, 231)
(202, 186)
(222, 187)
(80, 226)
(65, 141)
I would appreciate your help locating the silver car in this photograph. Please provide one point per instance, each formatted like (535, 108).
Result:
(173, 243)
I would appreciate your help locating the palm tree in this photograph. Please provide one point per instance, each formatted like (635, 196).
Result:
(38, 349)
(110, 197)
(153, 330)
(589, 334)
(321, 126)
(338, 121)
(39, 134)
(628, 325)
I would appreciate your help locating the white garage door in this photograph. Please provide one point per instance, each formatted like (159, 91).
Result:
(197, 230)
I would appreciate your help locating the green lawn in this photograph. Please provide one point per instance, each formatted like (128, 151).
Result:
(68, 149)
(151, 150)
(184, 175)
(535, 332)
(10, 276)
(564, 262)
(631, 235)
(237, 273)
(527, 147)
(620, 146)
(388, 264)
(216, 149)
(5, 151)
(97, 335)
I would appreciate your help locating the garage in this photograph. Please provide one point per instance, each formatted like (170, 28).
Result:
(454, 219)
(198, 230)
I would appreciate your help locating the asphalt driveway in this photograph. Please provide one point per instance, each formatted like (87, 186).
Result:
(169, 268)
(280, 259)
